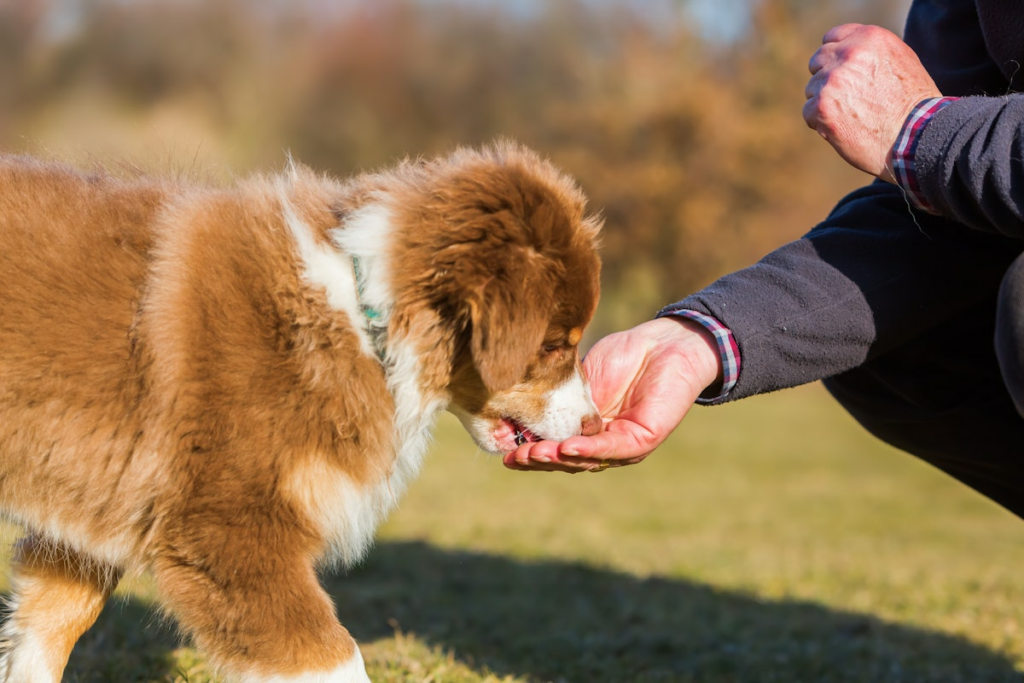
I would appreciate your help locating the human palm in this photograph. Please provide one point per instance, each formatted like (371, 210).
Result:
(644, 381)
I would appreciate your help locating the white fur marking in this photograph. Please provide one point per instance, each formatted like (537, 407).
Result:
(352, 671)
(349, 514)
(415, 415)
(366, 234)
(328, 269)
(346, 513)
(115, 549)
(567, 405)
(565, 408)
(23, 657)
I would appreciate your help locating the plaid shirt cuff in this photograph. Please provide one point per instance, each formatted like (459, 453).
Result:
(903, 166)
(727, 350)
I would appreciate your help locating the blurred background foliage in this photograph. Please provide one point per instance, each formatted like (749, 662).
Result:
(681, 121)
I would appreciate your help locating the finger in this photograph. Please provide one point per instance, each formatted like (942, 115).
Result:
(840, 33)
(533, 468)
(539, 451)
(574, 465)
(609, 444)
(571, 466)
(529, 454)
(598, 465)
(814, 121)
(587, 465)
(824, 58)
(817, 61)
(546, 456)
(814, 84)
(520, 459)
(810, 113)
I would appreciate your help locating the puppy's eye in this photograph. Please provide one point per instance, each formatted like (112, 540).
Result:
(550, 348)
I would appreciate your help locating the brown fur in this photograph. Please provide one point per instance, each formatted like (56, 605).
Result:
(176, 395)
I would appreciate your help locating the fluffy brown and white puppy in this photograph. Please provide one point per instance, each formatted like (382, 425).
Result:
(230, 387)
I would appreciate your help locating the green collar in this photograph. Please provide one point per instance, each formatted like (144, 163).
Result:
(376, 325)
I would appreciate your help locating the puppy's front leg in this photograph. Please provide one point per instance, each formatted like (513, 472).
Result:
(57, 595)
(250, 599)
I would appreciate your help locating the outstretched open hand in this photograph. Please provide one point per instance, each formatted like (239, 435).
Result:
(644, 381)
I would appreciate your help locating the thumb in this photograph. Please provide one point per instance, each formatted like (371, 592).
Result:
(614, 442)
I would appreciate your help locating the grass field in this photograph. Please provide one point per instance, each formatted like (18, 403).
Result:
(770, 540)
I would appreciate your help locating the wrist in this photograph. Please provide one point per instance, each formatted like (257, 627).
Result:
(904, 150)
(727, 359)
(698, 348)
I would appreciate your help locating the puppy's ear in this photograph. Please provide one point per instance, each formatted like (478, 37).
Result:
(509, 314)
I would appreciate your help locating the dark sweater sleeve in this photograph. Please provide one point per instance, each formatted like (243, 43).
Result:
(969, 159)
(870, 277)
(876, 274)
(970, 163)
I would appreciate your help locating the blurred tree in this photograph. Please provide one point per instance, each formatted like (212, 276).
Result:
(20, 24)
(694, 151)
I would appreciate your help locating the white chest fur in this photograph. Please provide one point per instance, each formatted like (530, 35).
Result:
(349, 512)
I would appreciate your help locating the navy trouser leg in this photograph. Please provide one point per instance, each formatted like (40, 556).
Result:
(1010, 332)
(942, 397)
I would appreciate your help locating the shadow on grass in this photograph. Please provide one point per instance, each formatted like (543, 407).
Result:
(555, 621)
(128, 643)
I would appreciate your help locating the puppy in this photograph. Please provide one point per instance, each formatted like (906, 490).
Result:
(231, 387)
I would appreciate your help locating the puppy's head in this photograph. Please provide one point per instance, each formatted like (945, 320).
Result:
(522, 274)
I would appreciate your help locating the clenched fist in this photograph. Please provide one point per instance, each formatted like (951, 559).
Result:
(865, 81)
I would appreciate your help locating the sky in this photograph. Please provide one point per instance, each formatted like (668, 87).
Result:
(717, 20)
